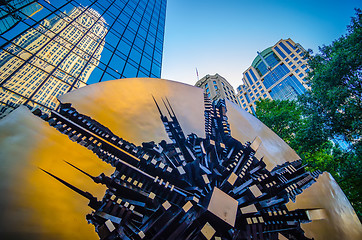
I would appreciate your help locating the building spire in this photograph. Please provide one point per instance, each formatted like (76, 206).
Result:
(93, 203)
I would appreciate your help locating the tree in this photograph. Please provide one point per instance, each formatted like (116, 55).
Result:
(335, 98)
(330, 109)
(335, 103)
(283, 117)
(307, 137)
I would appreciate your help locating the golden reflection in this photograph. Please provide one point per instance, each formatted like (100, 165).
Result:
(126, 107)
(246, 127)
(339, 221)
(36, 206)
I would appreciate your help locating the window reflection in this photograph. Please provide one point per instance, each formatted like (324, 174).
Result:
(57, 46)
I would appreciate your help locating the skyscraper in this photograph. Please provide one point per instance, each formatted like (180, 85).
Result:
(70, 44)
(13, 11)
(217, 87)
(277, 72)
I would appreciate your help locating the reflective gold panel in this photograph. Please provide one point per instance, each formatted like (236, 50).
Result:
(35, 206)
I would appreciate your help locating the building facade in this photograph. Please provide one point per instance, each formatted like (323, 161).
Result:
(70, 44)
(13, 11)
(217, 87)
(277, 72)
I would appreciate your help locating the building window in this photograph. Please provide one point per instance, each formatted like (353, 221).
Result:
(215, 87)
(303, 66)
(280, 52)
(214, 82)
(206, 85)
(301, 75)
(286, 49)
(291, 45)
(249, 79)
(207, 90)
(297, 71)
(253, 75)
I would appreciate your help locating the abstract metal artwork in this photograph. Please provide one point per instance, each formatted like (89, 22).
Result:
(189, 187)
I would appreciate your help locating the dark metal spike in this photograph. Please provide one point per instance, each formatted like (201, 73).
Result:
(92, 177)
(87, 195)
(159, 110)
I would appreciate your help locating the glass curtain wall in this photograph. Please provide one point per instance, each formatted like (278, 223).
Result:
(68, 44)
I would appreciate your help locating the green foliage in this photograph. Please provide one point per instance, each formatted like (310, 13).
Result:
(336, 95)
(283, 117)
(332, 108)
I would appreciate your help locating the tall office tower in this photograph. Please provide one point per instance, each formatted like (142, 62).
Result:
(13, 11)
(217, 87)
(70, 44)
(277, 72)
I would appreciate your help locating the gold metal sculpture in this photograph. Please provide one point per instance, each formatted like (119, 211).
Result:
(36, 207)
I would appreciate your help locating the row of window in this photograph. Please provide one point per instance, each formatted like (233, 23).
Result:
(104, 40)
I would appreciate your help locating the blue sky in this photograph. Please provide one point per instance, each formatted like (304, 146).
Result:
(223, 36)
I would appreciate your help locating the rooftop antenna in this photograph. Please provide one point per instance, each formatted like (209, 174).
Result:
(197, 75)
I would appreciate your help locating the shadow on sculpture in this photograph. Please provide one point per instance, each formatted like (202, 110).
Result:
(189, 187)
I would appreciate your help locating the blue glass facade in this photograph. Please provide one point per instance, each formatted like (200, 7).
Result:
(282, 70)
(13, 11)
(291, 45)
(253, 75)
(285, 48)
(69, 44)
(272, 60)
(249, 79)
(289, 88)
(280, 52)
(275, 75)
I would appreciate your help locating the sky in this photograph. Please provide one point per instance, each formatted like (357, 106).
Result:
(223, 36)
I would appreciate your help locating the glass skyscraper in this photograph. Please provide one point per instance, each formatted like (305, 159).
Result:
(13, 11)
(277, 72)
(69, 44)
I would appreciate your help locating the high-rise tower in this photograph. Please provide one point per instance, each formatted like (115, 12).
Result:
(13, 11)
(70, 44)
(277, 72)
(217, 87)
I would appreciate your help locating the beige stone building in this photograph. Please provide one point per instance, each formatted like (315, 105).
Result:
(50, 60)
(216, 87)
(278, 72)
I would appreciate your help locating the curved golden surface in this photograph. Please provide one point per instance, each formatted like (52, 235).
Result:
(34, 206)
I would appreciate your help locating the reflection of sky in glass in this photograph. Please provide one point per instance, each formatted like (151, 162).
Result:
(67, 45)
